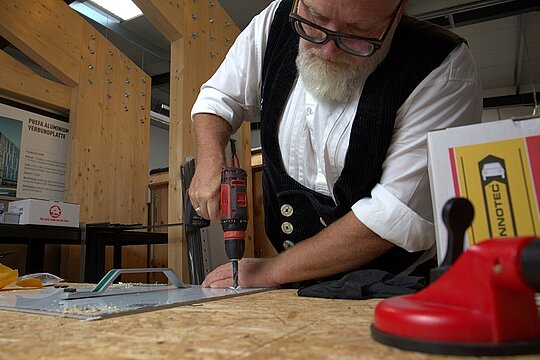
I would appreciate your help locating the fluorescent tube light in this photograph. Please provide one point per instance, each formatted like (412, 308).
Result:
(124, 9)
(94, 12)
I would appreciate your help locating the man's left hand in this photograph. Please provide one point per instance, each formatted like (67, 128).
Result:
(252, 272)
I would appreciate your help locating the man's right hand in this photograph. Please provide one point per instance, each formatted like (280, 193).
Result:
(204, 190)
(212, 134)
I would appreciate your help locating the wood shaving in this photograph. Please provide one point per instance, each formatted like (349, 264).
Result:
(90, 309)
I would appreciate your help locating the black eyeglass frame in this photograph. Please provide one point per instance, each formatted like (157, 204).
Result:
(294, 19)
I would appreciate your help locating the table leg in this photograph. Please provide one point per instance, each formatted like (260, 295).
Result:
(34, 256)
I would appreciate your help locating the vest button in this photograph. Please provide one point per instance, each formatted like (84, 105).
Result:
(286, 210)
(288, 244)
(287, 227)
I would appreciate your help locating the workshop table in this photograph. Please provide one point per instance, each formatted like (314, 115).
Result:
(271, 325)
(99, 236)
(35, 237)
(93, 237)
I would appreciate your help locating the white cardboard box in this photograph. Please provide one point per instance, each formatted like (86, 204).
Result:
(494, 165)
(45, 212)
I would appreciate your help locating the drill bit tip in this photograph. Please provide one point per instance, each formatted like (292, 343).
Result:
(235, 274)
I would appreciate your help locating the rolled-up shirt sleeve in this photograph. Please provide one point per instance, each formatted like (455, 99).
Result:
(400, 208)
(214, 101)
(394, 221)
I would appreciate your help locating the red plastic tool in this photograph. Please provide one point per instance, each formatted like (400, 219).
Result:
(484, 304)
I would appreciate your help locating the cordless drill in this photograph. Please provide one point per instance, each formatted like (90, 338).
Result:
(233, 213)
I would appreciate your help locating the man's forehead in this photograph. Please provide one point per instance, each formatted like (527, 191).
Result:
(352, 7)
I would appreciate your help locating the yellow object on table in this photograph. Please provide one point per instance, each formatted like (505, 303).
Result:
(8, 279)
(7, 276)
(33, 283)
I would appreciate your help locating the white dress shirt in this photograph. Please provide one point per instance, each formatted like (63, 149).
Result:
(314, 135)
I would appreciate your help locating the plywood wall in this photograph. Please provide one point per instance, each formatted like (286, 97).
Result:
(109, 101)
(200, 37)
(209, 33)
(109, 134)
(109, 108)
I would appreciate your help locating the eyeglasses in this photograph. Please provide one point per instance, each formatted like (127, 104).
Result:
(352, 44)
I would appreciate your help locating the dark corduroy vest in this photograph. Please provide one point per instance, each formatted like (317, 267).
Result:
(294, 212)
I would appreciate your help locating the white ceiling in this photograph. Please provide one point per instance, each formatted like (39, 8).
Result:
(493, 44)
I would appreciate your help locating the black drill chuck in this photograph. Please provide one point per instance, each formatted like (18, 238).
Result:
(235, 248)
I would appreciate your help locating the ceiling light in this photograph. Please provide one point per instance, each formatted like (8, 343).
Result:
(124, 9)
(94, 12)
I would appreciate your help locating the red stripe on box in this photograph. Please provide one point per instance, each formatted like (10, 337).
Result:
(533, 147)
(455, 177)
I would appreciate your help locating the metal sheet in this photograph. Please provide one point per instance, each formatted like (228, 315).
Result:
(118, 300)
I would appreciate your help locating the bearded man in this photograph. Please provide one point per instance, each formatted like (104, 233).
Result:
(346, 91)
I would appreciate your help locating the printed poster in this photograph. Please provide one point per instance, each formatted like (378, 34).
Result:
(33, 152)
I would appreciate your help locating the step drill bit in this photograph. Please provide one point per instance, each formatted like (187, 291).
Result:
(235, 274)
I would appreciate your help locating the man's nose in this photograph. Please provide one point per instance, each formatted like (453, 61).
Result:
(331, 48)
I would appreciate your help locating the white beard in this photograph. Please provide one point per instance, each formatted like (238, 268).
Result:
(335, 79)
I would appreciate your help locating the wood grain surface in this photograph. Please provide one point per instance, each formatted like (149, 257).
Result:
(272, 325)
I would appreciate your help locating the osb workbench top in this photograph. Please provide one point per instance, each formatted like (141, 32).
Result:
(269, 325)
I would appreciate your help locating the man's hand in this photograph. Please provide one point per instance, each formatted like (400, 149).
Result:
(343, 246)
(212, 134)
(252, 272)
(204, 190)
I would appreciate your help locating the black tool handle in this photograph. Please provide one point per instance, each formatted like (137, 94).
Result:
(457, 215)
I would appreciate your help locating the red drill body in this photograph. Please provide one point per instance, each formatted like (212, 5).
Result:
(233, 213)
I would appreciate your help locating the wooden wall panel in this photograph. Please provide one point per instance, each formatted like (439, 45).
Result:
(166, 15)
(207, 33)
(48, 31)
(109, 109)
(159, 187)
(108, 155)
(109, 141)
(109, 106)
(179, 138)
(17, 81)
(109, 131)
